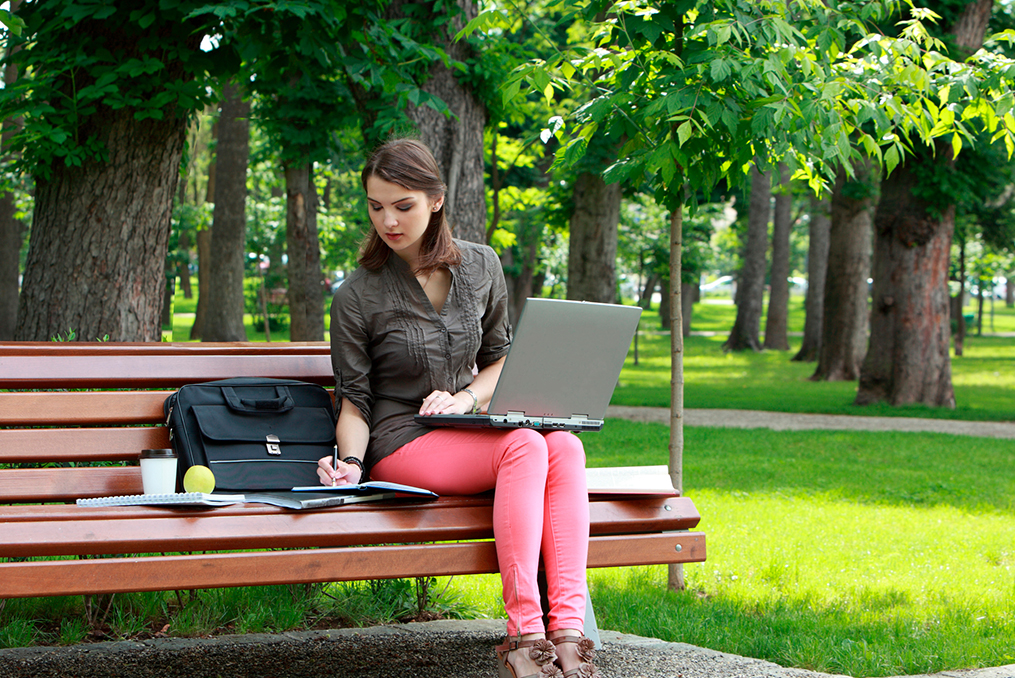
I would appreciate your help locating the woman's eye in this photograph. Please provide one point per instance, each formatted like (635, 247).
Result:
(404, 208)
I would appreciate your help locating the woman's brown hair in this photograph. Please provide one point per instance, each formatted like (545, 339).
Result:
(411, 165)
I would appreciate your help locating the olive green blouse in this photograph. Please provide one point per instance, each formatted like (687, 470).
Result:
(390, 348)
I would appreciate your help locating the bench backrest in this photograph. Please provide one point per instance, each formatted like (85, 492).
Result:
(75, 416)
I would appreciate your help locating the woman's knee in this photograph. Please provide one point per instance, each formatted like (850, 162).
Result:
(528, 444)
(565, 447)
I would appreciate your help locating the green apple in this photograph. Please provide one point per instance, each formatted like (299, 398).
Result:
(198, 479)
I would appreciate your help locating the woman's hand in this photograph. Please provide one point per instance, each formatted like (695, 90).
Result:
(442, 402)
(345, 474)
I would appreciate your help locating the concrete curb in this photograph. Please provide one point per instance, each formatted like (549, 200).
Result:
(455, 648)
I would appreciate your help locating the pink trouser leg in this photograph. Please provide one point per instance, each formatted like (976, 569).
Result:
(533, 475)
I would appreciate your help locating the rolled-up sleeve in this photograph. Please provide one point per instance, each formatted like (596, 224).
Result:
(496, 323)
(349, 357)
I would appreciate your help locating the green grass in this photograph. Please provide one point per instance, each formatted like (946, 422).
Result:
(867, 554)
(983, 378)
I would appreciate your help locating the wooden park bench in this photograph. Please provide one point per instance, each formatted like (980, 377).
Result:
(74, 417)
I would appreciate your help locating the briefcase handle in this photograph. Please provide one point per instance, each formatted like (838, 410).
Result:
(283, 403)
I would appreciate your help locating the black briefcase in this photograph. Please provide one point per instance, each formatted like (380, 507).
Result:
(254, 434)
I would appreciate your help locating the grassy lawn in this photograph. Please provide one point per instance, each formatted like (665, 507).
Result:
(983, 377)
(867, 554)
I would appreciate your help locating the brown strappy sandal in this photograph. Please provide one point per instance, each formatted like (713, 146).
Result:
(541, 651)
(586, 653)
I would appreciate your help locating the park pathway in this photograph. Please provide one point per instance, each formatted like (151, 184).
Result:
(785, 421)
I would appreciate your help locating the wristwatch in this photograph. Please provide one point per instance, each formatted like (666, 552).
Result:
(356, 461)
(475, 400)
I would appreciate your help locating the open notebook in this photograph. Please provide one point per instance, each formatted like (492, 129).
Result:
(561, 369)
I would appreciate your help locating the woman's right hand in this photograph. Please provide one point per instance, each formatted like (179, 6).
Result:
(345, 474)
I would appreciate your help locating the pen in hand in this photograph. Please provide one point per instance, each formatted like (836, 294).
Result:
(334, 465)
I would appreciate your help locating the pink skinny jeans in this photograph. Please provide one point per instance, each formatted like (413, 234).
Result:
(540, 505)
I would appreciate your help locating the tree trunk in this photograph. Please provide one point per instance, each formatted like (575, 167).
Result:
(224, 319)
(675, 578)
(844, 336)
(11, 236)
(751, 283)
(817, 269)
(908, 360)
(306, 293)
(456, 142)
(776, 330)
(12, 230)
(592, 253)
(99, 238)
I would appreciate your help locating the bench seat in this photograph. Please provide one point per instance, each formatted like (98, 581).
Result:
(75, 417)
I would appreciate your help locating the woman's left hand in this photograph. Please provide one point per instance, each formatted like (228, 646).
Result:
(442, 402)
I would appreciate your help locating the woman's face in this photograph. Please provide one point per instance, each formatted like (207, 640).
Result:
(399, 216)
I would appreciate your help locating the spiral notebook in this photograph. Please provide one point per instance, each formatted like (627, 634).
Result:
(293, 500)
(173, 499)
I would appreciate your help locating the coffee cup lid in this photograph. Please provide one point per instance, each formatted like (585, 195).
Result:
(157, 454)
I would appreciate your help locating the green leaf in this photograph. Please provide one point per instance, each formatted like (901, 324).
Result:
(684, 132)
(891, 159)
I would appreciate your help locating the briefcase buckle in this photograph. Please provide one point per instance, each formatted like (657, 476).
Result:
(273, 445)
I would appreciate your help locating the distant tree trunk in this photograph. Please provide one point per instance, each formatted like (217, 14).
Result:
(846, 320)
(751, 284)
(592, 254)
(100, 232)
(183, 270)
(306, 292)
(956, 302)
(817, 268)
(204, 254)
(908, 360)
(456, 142)
(665, 312)
(522, 279)
(204, 267)
(224, 319)
(687, 294)
(776, 330)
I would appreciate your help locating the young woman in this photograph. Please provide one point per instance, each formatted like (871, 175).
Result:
(421, 327)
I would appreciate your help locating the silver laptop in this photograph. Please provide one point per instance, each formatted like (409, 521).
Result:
(561, 368)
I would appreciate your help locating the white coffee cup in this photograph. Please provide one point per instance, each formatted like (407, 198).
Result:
(158, 471)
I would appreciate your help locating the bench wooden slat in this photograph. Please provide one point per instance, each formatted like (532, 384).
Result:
(205, 530)
(67, 484)
(46, 349)
(157, 371)
(91, 408)
(79, 444)
(164, 573)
